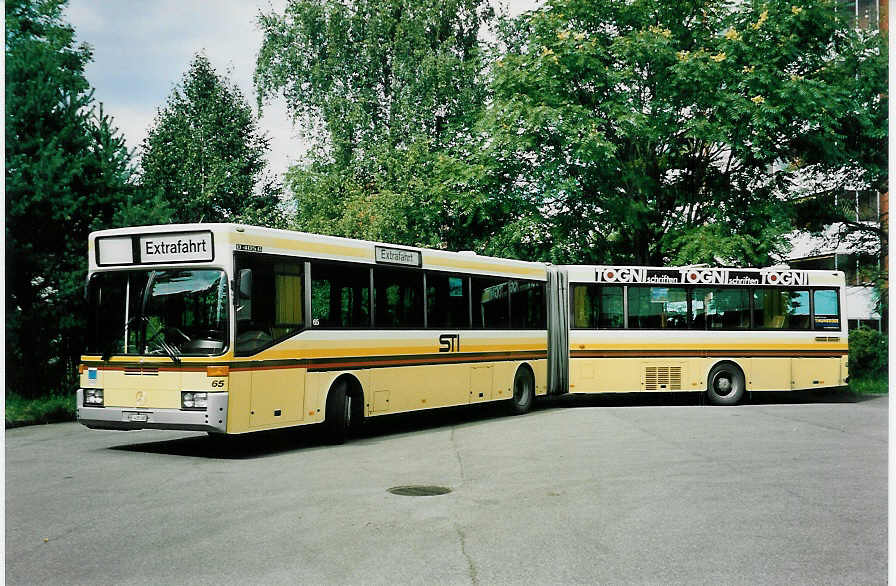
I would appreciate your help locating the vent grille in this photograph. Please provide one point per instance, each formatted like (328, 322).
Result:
(137, 370)
(662, 378)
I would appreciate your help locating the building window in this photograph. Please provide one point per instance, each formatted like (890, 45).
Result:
(867, 14)
(867, 206)
(820, 263)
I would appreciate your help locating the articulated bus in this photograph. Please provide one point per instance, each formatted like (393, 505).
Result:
(720, 330)
(232, 329)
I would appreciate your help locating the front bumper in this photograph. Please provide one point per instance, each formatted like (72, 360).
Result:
(213, 419)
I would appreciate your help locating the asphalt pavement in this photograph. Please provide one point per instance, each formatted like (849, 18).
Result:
(789, 489)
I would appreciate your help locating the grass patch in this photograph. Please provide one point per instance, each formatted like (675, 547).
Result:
(873, 385)
(53, 409)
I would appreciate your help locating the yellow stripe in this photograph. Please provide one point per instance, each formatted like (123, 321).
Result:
(361, 352)
(354, 251)
(470, 264)
(298, 348)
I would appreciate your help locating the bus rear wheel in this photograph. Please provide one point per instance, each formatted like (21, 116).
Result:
(523, 392)
(725, 384)
(338, 416)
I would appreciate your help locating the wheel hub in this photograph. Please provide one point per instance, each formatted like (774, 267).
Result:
(723, 385)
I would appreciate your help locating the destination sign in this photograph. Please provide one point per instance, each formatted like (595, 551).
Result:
(155, 248)
(181, 247)
(115, 250)
(398, 256)
(701, 276)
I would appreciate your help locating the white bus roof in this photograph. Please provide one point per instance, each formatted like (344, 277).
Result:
(113, 249)
(701, 275)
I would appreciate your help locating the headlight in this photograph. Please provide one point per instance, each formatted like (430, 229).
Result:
(191, 400)
(93, 397)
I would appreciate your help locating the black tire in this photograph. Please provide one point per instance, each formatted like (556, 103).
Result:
(725, 384)
(338, 415)
(523, 392)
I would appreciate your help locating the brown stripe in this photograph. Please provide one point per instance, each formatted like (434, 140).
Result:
(707, 353)
(383, 362)
(296, 364)
(129, 367)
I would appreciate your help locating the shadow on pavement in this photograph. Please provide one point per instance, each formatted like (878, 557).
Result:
(644, 399)
(232, 447)
(267, 443)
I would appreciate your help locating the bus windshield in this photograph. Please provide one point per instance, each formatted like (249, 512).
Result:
(169, 312)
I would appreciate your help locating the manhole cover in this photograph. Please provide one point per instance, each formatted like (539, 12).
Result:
(415, 490)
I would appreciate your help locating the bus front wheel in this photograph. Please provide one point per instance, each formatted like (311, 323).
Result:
(725, 384)
(523, 392)
(338, 416)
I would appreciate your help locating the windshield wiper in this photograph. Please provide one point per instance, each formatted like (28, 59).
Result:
(109, 350)
(170, 351)
(159, 339)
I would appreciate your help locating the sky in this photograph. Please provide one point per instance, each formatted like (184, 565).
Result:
(142, 49)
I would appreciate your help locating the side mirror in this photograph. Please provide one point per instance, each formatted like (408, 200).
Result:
(245, 283)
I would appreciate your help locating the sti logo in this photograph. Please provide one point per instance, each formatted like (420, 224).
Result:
(449, 343)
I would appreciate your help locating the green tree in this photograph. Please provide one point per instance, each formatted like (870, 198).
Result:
(654, 131)
(68, 172)
(206, 156)
(385, 91)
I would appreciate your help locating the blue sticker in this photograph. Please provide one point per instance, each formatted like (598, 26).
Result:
(91, 374)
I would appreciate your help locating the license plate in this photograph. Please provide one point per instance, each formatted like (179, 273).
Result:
(139, 417)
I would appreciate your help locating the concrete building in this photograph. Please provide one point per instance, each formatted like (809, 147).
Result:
(858, 256)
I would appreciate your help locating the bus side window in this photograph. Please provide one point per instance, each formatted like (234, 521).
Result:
(289, 300)
(798, 309)
(657, 307)
(786, 309)
(720, 308)
(340, 295)
(275, 308)
(490, 305)
(527, 306)
(582, 303)
(447, 301)
(397, 298)
(611, 313)
(827, 309)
